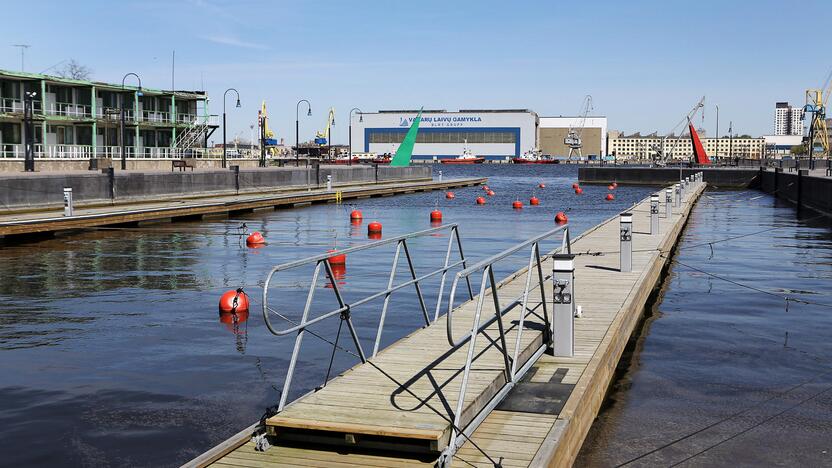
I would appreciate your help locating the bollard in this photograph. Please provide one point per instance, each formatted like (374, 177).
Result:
(626, 250)
(67, 201)
(654, 214)
(678, 192)
(563, 317)
(329, 182)
(440, 176)
(668, 203)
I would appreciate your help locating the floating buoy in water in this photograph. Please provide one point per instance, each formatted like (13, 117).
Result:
(340, 259)
(435, 215)
(610, 187)
(255, 238)
(490, 193)
(609, 197)
(374, 228)
(449, 195)
(517, 204)
(480, 201)
(575, 185)
(561, 218)
(234, 301)
(579, 191)
(541, 185)
(485, 188)
(356, 214)
(534, 201)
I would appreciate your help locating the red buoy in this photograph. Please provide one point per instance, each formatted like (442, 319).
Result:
(579, 191)
(374, 228)
(485, 188)
(480, 201)
(435, 215)
(356, 214)
(255, 238)
(609, 197)
(541, 185)
(575, 185)
(517, 204)
(340, 259)
(449, 195)
(490, 193)
(534, 201)
(561, 218)
(234, 301)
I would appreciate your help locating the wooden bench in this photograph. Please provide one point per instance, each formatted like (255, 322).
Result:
(181, 164)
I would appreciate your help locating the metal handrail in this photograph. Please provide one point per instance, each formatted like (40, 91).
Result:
(344, 309)
(512, 373)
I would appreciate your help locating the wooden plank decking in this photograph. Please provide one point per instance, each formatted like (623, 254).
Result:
(365, 401)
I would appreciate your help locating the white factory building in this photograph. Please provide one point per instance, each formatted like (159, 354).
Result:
(493, 134)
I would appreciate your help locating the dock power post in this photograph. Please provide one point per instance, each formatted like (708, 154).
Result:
(563, 316)
(328, 183)
(68, 205)
(626, 249)
(654, 214)
(668, 203)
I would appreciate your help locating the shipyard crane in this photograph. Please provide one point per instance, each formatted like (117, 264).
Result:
(662, 156)
(322, 137)
(818, 131)
(573, 138)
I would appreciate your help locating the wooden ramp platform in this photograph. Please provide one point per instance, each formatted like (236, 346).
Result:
(407, 393)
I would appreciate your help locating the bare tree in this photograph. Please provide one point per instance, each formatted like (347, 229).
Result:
(75, 71)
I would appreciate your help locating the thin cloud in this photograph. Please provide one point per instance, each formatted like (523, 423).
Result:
(234, 42)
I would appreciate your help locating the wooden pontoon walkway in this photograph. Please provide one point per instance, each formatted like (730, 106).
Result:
(408, 392)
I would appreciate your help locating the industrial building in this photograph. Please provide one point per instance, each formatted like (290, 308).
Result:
(643, 148)
(497, 135)
(80, 120)
(553, 131)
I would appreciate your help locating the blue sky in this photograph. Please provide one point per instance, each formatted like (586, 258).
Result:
(645, 63)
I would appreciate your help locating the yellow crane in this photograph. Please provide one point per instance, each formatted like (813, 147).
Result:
(322, 137)
(818, 131)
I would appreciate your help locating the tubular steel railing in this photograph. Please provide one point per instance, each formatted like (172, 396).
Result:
(344, 308)
(512, 372)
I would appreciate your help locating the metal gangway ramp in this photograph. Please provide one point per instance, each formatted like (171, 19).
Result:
(425, 394)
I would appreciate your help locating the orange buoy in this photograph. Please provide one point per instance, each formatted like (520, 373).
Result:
(561, 218)
(517, 204)
(255, 238)
(534, 201)
(609, 197)
(435, 215)
(356, 214)
(234, 301)
(480, 201)
(340, 259)
(575, 185)
(374, 228)
(541, 185)
(490, 193)
(450, 195)
(579, 191)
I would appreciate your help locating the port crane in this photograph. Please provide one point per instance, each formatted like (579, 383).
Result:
(322, 137)
(661, 156)
(818, 131)
(573, 138)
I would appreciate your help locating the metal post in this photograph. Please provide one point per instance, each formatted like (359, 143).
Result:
(654, 214)
(563, 319)
(67, 201)
(29, 131)
(224, 95)
(668, 203)
(626, 250)
(329, 182)
(440, 176)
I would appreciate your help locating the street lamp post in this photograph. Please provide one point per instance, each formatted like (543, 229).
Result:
(121, 131)
(224, 157)
(360, 119)
(297, 130)
(730, 141)
(329, 137)
(716, 135)
(29, 128)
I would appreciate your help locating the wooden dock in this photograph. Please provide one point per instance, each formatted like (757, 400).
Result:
(53, 220)
(396, 409)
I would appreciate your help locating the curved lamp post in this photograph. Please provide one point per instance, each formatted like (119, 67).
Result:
(297, 130)
(123, 137)
(224, 157)
(360, 119)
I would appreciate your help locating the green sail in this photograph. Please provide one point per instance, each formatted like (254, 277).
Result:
(405, 151)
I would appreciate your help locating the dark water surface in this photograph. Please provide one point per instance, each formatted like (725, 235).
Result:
(112, 351)
(723, 375)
